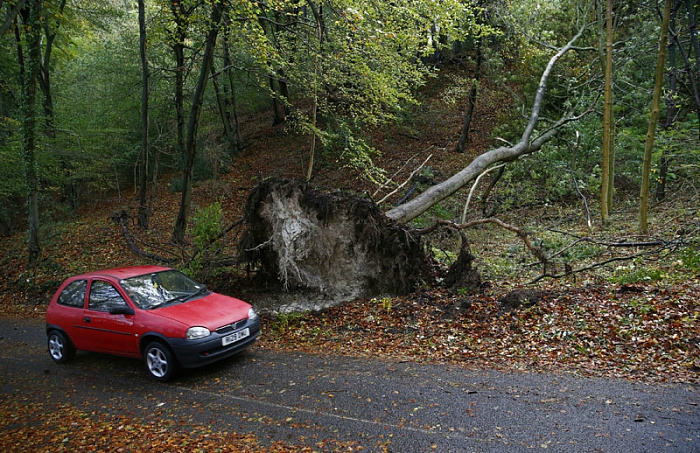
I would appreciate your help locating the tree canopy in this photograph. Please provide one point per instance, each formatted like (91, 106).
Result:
(335, 73)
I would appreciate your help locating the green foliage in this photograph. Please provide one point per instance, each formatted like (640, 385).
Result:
(285, 322)
(635, 274)
(207, 225)
(690, 257)
(441, 255)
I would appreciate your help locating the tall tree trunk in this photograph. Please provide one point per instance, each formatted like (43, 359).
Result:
(223, 111)
(278, 87)
(9, 20)
(607, 174)
(193, 124)
(32, 25)
(318, 16)
(693, 78)
(143, 157)
(180, 34)
(464, 138)
(670, 101)
(232, 86)
(45, 76)
(654, 119)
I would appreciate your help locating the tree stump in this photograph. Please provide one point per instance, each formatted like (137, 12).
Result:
(463, 275)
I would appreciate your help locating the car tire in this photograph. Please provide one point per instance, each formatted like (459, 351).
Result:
(159, 360)
(60, 347)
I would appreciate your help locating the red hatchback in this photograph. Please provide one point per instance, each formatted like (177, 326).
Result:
(150, 312)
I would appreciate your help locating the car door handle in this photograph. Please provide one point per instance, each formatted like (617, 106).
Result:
(86, 319)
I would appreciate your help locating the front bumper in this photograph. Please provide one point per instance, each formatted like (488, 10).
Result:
(195, 353)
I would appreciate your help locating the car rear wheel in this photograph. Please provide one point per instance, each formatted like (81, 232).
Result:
(159, 361)
(60, 347)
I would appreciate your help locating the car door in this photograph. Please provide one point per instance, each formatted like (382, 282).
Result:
(68, 312)
(112, 333)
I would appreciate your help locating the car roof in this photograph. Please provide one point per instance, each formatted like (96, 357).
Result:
(123, 272)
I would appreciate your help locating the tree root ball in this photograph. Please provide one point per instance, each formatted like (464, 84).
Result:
(337, 244)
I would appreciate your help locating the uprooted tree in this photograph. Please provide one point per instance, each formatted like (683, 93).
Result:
(340, 245)
(345, 246)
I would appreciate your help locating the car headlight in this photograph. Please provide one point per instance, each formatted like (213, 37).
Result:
(195, 333)
(251, 314)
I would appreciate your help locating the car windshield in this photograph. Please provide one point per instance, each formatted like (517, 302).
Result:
(161, 288)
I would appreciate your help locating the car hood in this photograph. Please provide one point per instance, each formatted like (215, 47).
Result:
(211, 311)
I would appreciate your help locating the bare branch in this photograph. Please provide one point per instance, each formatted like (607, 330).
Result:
(406, 181)
(439, 192)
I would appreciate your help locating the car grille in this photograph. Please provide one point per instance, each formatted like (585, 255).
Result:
(231, 327)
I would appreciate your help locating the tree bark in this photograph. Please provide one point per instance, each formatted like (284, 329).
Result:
(143, 157)
(670, 101)
(437, 193)
(232, 85)
(193, 124)
(464, 138)
(32, 22)
(607, 176)
(180, 14)
(11, 16)
(223, 111)
(653, 120)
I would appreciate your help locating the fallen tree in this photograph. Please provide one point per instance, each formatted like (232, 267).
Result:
(344, 246)
(527, 145)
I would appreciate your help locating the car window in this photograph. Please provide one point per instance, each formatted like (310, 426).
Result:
(73, 295)
(104, 296)
(160, 288)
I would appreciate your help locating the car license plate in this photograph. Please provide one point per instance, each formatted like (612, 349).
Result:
(234, 337)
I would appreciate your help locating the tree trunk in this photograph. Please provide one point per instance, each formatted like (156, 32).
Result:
(232, 86)
(653, 120)
(45, 76)
(608, 138)
(223, 112)
(180, 19)
(527, 145)
(670, 103)
(193, 124)
(318, 16)
(32, 18)
(11, 16)
(464, 138)
(143, 157)
(693, 78)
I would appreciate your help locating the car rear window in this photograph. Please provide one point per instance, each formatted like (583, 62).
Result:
(74, 294)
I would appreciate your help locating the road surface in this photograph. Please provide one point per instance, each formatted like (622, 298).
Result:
(405, 407)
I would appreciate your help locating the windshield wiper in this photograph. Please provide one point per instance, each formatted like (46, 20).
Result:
(186, 297)
(201, 290)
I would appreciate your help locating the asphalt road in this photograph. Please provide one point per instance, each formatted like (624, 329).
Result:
(408, 407)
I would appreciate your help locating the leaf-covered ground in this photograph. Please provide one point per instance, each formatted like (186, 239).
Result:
(642, 332)
(43, 427)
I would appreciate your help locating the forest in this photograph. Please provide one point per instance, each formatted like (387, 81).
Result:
(350, 161)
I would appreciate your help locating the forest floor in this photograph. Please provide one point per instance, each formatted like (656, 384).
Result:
(634, 318)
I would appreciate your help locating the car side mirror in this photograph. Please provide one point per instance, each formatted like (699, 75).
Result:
(121, 310)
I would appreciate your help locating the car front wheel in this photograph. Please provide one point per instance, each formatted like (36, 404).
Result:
(60, 347)
(159, 361)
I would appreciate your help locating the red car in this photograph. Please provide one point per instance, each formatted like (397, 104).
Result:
(150, 312)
